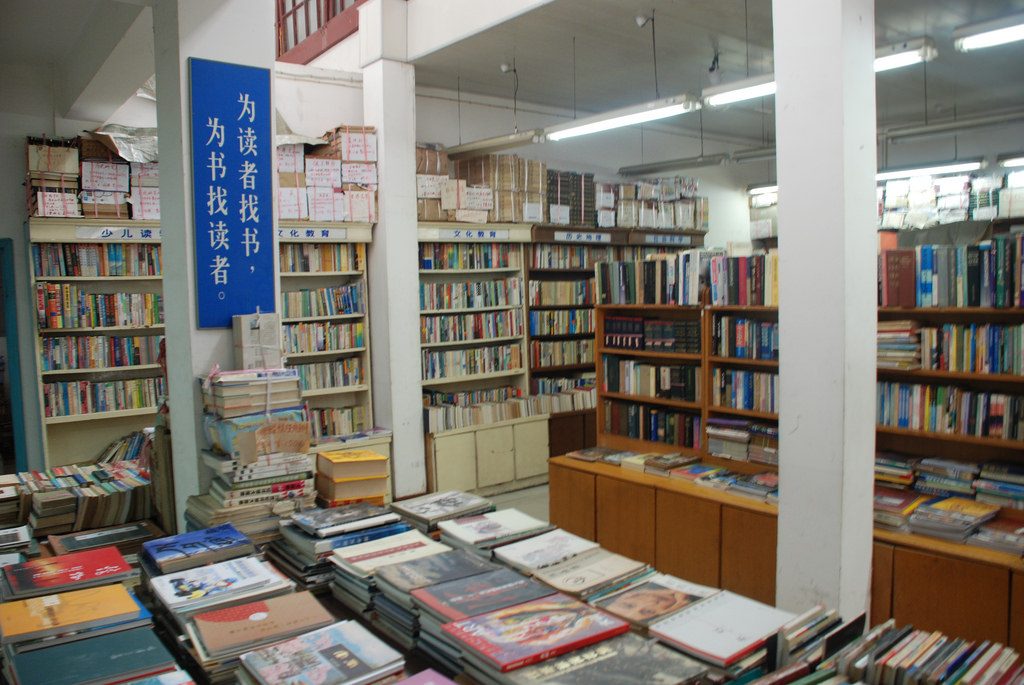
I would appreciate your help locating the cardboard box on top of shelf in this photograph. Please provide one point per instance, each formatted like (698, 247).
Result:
(497, 172)
(292, 203)
(665, 215)
(626, 191)
(145, 201)
(469, 216)
(701, 214)
(294, 179)
(648, 214)
(99, 148)
(290, 158)
(627, 214)
(1011, 202)
(323, 169)
(291, 437)
(359, 173)
(606, 218)
(532, 176)
(684, 214)
(54, 204)
(428, 186)
(108, 176)
(144, 174)
(359, 204)
(604, 195)
(431, 160)
(353, 143)
(508, 207)
(57, 156)
(456, 194)
(429, 209)
(102, 203)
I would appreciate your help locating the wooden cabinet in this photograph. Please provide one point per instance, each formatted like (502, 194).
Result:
(531, 449)
(749, 540)
(454, 461)
(959, 597)
(571, 501)
(881, 583)
(495, 456)
(688, 537)
(1017, 612)
(625, 518)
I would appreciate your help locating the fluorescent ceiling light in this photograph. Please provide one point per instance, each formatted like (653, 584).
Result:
(673, 164)
(989, 33)
(627, 116)
(738, 91)
(762, 189)
(1012, 160)
(904, 54)
(496, 144)
(934, 170)
(761, 154)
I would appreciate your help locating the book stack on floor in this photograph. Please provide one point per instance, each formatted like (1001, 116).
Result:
(309, 537)
(951, 518)
(899, 345)
(426, 512)
(893, 507)
(347, 476)
(1001, 483)
(484, 533)
(945, 477)
(11, 504)
(128, 538)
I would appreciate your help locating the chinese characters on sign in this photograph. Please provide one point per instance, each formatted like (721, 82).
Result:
(455, 234)
(232, 156)
(582, 237)
(117, 233)
(666, 239)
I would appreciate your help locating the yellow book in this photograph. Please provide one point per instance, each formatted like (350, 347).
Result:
(964, 506)
(38, 617)
(351, 464)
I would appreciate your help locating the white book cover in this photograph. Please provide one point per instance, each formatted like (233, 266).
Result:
(589, 570)
(365, 558)
(491, 526)
(721, 629)
(544, 550)
(439, 505)
(198, 585)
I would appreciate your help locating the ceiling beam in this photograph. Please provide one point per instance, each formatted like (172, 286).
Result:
(436, 24)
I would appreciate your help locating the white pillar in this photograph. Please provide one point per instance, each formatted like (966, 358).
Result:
(389, 104)
(825, 121)
(237, 31)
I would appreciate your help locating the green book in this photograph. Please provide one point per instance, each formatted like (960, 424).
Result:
(124, 655)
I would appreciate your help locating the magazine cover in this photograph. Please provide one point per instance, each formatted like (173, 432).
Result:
(480, 594)
(75, 569)
(194, 543)
(432, 570)
(184, 587)
(661, 596)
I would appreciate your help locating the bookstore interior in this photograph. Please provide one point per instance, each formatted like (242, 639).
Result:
(434, 341)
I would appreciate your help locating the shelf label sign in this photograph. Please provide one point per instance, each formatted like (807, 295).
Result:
(666, 239)
(456, 234)
(312, 234)
(116, 233)
(232, 157)
(582, 237)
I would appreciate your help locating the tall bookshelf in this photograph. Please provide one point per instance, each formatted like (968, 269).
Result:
(98, 287)
(324, 322)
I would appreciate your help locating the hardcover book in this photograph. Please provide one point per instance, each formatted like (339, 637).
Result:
(197, 547)
(327, 522)
(197, 585)
(591, 571)
(480, 594)
(365, 558)
(432, 570)
(28, 619)
(75, 570)
(127, 538)
(225, 631)
(341, 653)
(655, 599)
(524, 634)
(441, 505)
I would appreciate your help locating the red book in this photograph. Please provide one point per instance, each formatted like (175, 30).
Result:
(899, 278)
(65, 572)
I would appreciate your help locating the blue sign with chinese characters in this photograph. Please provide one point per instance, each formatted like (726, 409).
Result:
(233, 204)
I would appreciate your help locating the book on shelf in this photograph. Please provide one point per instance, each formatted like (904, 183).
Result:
(654, 424)
(84, 260)
(561, 293)
(899, 345)
(745, 338)
(972, 348)
(745, 280)
(68, 306)
(648, 379)
(66, 353)
(466, 256)
(556, 322)
(950, 410)
(747, 390)
(481, 326)
(320, 257)
(469, 295)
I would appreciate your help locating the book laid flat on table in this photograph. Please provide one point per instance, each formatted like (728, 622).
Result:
(77, 570)
(198, 587)
(660, 596)
(721, 629)
(475, 595)
(37, 617)
(427, 511)
(438, 568)
(341, 653)
(524, 634)
(591, 453)
(541, 551)
(197, 548)
(492, 529)
(592, 572)
(313, 546)
(328, 522)
(244, 627)
(363, 559)
(127, 538)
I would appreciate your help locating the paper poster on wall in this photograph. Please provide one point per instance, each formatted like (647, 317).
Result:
(232, 163)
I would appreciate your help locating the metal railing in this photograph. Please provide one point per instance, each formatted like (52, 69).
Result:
(307, 28)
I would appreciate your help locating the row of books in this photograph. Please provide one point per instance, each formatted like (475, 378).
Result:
(446, 328)
(328, 422)
(465, 398)
(645, 379)
(552, 293)
(750, 390)
(654, 335)
(743, 440)
(656, 424)
(437, 364)
(992, 482)
(73, 398)
(973, 348)
(333, 301)
(322, 336)
(562, 322)
(987, 274)
(745, 281)
(59, 353)
(320, 257)
(662, 279)
(544, 353)
(552, 256)
(950, 410)
(899, 345)
(337, 374)
(63, 305)
(744, 338)
(446, 416)
(92, 259)
(443, 256)
(468, 295)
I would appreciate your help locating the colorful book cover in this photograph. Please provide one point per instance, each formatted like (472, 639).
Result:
(66, 570)
(27, 618)
(226, 630)
(195, 543)
(526, 633)
(432, 570)
(185, 587)
(475, 595)
(659, 597)
(333, 655)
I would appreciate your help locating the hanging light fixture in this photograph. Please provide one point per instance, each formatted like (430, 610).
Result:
(738, 91)
(904, 54)
(627, 116)
(762, 189)
(937, 169)
(1010, 161)
(989, 34)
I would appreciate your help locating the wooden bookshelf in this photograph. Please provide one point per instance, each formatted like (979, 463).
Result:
(70, 438)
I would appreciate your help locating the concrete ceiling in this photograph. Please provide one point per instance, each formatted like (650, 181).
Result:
(614, 62)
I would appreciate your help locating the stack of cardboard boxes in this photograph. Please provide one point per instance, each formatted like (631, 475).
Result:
(571, 200)
(662, 204)
(51, 183)
(104, 180)
(518, 186)
(431, 175)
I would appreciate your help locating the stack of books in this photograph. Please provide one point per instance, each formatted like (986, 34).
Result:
(763, 486)
(662, 464)
(128, 539)
(1001, 483)
(347, 476)
(194, 548)
(945, 477)
(764, 443)
(539, 552)
(894, 470)
(729, 438)
(10, 501)
(1004, 533)
(899, 345)
(482, 534)
(74, 571)
(951, 518)
(593, 574)
(654, 598)
(426, 512)
(17, 543)
(309, 537)
(893, 507)
(237, 393)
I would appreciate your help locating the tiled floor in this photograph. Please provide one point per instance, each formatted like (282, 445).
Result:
(532, 501)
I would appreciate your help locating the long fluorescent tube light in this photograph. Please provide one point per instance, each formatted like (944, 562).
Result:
(988, 34)
(496, 144)
(762, 189)
(738, 91)
(761, 154)
(673, 164)
(934, 170)
(1015, 159)
(627, 116)
(904, 54)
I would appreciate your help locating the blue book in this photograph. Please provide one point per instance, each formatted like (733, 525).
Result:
(311, 545)
(196, 548)
(107, 658)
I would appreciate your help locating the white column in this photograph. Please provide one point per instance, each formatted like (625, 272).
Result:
(389, 104)
(825, 121)
(237, 31)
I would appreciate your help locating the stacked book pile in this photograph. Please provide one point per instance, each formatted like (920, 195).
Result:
(74, 571)
(1001, 483)
(945, 477)
(194, 548)
(348, 476)
(951, 518)
(128, 539)
(17, 544)
(570, 198)
(892, 507)
(11, 504)
(729, 438)
(764, 443)
(51, 180)
(899, 345)
(763, 486)
(484, 533)
(236, 393)
(309, 537)
(426, 512)
(664, 464)
(1004, 533)
(894, 470)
